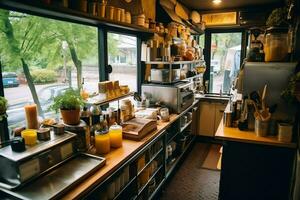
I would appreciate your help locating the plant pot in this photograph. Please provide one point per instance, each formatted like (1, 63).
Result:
(71, 117)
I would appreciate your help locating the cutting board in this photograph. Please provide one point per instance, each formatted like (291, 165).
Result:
(138, 128)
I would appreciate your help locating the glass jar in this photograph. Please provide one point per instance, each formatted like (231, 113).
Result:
(276, 44)
(115, 135)
(102, 142)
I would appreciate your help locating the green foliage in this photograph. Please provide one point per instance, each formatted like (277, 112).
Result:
(278, 17)
(69, 100)
(43, 76)
(288, 94)
(3, 108)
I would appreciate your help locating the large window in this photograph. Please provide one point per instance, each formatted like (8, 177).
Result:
(51, 54)
(225, 60)
(122, 56)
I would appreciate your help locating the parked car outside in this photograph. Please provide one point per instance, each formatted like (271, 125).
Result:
(10, 79)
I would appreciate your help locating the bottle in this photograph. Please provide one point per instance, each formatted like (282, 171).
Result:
(102, 142)
(86, 116)
(83, 92)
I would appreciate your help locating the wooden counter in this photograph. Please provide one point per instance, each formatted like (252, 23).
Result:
(234, 134)
(116, 158)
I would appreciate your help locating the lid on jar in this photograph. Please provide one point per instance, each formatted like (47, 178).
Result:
(277, 30)
(115, 127)
(101, 132)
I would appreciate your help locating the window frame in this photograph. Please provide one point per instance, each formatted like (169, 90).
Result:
(207, 45)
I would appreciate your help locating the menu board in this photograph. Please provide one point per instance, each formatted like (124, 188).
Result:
(216, 19)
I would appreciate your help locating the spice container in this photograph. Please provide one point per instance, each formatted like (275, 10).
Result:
(276, 44)
(43, 134)
(118, 13)
(128, 17)
(93, 7)
(110, 12)
(101, 8)
(102, 142)
(83, 5)
(30, 136)
(141, 20)
(146, 25)
(59, 129)
(115, 135)
(152, 25)
(123, 15)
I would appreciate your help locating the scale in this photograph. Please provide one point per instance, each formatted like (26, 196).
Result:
(46, 170)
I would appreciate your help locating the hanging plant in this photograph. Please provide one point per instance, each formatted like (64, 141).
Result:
(278, 17)
(3, 108)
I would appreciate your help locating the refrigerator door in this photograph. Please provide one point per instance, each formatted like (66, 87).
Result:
(276, 75)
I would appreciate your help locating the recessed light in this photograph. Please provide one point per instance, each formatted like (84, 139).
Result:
(216, 2)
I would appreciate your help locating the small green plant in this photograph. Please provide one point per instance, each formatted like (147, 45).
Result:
(69, 100)
(43, 76)
(3, 108)
(278, 17)
(288, 94)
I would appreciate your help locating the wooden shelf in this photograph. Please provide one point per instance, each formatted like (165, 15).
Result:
(99, 103)
(174, 62)
(66, 14)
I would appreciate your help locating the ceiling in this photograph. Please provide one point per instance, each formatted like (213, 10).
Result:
(227, 4)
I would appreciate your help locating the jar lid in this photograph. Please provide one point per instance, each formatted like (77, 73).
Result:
(115, 127)
(277, 30)
(101, 132)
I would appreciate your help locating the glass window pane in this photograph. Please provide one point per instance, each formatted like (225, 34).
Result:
(57, 54)
(224, 61)
(122, 54)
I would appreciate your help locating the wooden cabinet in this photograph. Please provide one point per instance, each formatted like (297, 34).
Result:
(210, 113)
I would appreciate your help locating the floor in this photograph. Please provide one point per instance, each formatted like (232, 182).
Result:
(191, 181)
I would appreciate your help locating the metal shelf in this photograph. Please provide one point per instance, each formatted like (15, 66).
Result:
(152, 176)
(174, 62)
(185, 126)
(99, 103)
(153, 158)
(124, 188)
(179, 158)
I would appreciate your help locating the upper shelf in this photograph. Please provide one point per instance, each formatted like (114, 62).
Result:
(174, 62)
(104, 102)
(66, 14)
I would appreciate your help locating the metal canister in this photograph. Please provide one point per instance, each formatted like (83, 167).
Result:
(83, 139)
(228, 118)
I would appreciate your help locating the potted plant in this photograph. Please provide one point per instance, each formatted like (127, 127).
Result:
(3, 108)
(291, 94)
(69, 104)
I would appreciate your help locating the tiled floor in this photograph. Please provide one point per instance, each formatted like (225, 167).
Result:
(191, 182)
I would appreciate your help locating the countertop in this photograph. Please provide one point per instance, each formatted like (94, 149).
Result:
(119, 156)
(234, 134)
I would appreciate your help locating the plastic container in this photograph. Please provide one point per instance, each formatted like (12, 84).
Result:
(115, 135)
(30, 136)
(276, 44)
(102, 142)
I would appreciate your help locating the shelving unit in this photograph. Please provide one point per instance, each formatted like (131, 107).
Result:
(153, 158)
(101, 103)
(62, 13)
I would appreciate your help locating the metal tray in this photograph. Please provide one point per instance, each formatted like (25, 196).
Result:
(60, 180)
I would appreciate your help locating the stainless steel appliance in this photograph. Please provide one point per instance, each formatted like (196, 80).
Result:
(177, 97)
(18, 168)
(165, 75)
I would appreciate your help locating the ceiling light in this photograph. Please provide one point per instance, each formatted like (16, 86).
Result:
(216, 2)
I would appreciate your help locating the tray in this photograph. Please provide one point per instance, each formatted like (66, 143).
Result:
(60, 180)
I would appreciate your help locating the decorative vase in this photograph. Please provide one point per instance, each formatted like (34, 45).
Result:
(71, 117)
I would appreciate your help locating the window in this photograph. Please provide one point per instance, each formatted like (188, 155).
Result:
(122, 54)
(56, 54)
(224, 60)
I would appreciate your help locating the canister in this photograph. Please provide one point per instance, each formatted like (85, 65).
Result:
(82, 131)
(102, 142)
(227, 118)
